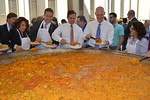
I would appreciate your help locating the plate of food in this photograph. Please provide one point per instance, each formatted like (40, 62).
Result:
(35, 42)
(75, 45)
(3, 48)
(98, 43)
(48, 44)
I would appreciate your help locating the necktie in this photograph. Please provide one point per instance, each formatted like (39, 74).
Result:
(149, 32)
(98, 35)
(46, 26)
(71, 35)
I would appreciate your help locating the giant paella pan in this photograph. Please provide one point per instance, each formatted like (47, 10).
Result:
(65, 74)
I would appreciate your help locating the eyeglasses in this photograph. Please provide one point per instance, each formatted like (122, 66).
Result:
(131, 29)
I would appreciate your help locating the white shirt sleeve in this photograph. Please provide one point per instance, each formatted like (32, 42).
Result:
(86, 31)
(110, 34)
(81, 38)
(56, 34)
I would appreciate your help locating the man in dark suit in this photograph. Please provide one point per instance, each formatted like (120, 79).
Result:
(42, 30)
(4, 29)
(131, 17)
(81, 21)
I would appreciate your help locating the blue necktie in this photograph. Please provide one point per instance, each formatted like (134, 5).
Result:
(98, 35)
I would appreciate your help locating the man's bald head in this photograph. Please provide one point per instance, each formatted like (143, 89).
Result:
(100, 9)
(100, 14)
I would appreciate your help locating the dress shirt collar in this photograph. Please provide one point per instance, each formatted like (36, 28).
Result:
(115, 24)
(48, 25)
(83, 28)
(101, 22)
(132, 18)
(8, 26)
(70, 24)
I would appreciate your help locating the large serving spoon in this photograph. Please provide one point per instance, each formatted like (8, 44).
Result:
(143, 59)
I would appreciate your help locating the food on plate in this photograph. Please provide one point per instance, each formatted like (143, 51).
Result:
(33, 49)
(33, 42)
(98, 41)
(3, 46)
(49, 43)
(74, 43)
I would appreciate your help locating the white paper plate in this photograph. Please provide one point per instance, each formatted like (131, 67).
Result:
(75, 47)
(35, 43)
(49, 46)
(4, 49)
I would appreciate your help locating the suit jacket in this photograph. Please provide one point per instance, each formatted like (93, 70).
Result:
(127, 33)
(149, 45)
(34, 30)
(4, 34)
(14, 37)
(83, 28)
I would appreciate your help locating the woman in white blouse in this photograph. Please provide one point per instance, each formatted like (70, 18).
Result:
(137, 43)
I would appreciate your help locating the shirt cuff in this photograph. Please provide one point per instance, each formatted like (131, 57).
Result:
(15, 46)
(60, 39)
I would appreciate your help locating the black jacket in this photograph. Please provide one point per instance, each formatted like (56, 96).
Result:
(4, 34)
(14, 37)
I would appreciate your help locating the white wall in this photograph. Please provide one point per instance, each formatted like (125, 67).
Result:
(3, 11)
(86, 8)
(62, 9)
(21, 10)
(41, 5)
(117, 8)
(144, 9)
(134, 6)
(126, 7)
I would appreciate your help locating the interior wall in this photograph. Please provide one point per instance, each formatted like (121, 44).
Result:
(2, 12)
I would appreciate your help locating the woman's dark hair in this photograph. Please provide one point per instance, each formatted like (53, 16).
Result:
(16, 24)
(55, 20)
(63, 21)
(140, 29)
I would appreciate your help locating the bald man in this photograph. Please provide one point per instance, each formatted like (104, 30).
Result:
(100, 26)
(131, 17)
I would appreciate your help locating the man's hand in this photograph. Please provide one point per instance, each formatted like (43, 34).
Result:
(105, 43)
(55, 46)
(63, 41)
(38, 39)
(88, 36)
(19, 48)
(148, 54)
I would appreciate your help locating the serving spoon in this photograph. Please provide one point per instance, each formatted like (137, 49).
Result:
(143, 59)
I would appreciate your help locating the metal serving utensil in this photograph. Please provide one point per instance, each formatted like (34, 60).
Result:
(143, 59)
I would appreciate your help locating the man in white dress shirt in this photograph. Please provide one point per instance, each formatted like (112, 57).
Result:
(106, 29)
(63, 33)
